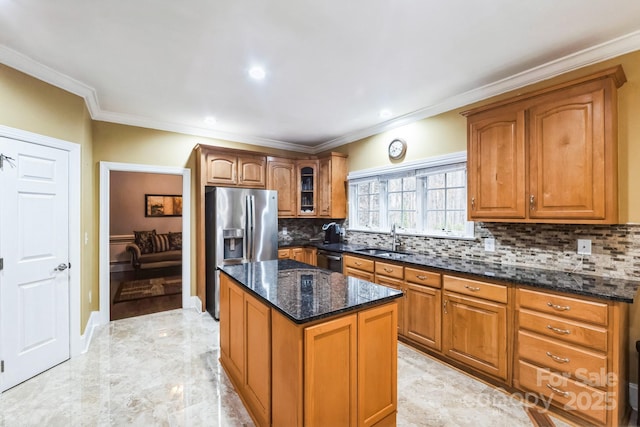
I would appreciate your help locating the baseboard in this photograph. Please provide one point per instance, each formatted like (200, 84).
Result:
(85, 339)
(633, 396)
(196, 303)
(117, 267)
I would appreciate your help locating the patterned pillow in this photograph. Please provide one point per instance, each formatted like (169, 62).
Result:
(144, 240)
(175, 241)
(161, 243)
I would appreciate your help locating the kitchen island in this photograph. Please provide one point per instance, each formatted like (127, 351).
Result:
(305, 346)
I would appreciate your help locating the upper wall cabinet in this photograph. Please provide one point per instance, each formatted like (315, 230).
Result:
(548, 156)
(332, 176)
(231, 169)
(309, 187)
(281, 176)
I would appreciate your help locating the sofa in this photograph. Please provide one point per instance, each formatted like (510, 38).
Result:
(155, 250)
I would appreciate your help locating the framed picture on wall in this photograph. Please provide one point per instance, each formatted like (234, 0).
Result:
(162, 205)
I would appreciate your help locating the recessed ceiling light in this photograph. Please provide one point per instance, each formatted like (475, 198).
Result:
(385, 114)
(210, 120)
(257, 73)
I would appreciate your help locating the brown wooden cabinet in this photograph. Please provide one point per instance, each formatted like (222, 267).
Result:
(474, 325)
(297, 254)
(332, 340)
(307, 188)
(281, 176)
(361, 268)
(547, 156)
(332, 195)
(496, 164)
(308, 255)
(284, 253)
(230, 169)
(313, 389)
(245, 347)
(392, 275)
(572, 350)
(422, 307)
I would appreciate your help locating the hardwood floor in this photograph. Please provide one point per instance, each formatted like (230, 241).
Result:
(139, 307)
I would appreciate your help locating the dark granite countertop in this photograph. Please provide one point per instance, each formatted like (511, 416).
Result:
(581, 284)
(305, 293)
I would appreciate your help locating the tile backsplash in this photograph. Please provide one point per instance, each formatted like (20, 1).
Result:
(615, 248)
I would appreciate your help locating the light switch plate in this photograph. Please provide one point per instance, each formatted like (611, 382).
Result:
(584, 247)
(490, 244)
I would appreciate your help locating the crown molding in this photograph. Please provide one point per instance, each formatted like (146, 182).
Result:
(592, 55)
(48, 75)
(598, 53)
(145, 122)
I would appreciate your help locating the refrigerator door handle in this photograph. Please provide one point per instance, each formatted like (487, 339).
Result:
(252, 227)
(247, 228)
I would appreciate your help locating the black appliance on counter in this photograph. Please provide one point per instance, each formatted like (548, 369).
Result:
(331, 233)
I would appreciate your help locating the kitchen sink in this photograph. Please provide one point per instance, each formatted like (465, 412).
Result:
(387, 253)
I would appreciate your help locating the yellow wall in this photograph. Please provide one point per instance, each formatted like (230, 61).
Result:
(32, 105)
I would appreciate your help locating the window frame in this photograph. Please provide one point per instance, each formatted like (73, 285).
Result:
(420, 170)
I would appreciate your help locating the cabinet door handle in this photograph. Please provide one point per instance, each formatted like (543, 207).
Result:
(558, 330)
(558, 358)
(473, 203)
(388, 270)
(472, 288)
(421, 277)
(357, 263)
(532, 202)
(557, 390)
(559, 307)
(444, 306)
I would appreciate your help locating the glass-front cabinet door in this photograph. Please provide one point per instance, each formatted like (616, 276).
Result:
(307, 187)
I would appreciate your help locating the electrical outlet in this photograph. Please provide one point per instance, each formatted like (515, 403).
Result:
(584, 247)
(490, 244)
(284, 231)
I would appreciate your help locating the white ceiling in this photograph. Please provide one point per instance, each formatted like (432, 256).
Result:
(331, 65)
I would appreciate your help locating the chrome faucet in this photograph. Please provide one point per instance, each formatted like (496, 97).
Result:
(394, 238)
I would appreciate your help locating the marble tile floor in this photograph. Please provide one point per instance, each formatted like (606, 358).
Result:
(161, 369)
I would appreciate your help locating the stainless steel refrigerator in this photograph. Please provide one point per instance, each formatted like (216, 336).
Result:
(241, 225)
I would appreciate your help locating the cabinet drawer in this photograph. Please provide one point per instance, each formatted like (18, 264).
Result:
(389, 281)
(585, 365)
(478, 289)
(389, 270)
(359, 274)
(564, 306)
(566, 393)
(422, 277)
(564, 329)
(283, 253)
(359, 263)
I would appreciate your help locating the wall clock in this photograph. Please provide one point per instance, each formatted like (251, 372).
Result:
(397, 148)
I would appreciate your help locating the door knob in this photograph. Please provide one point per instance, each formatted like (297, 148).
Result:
(62, 267)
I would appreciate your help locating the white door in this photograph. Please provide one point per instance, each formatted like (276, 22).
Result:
(34, 246)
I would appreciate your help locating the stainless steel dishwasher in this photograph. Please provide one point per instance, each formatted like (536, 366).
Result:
(330, 260)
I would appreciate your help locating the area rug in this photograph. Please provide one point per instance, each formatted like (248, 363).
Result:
(145, 288)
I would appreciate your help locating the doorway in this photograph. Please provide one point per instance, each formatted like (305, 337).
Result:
(145, 239)
(106, 169)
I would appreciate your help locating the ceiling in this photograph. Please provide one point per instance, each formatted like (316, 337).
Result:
(331, 65)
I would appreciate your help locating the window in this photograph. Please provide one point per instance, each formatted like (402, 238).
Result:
(368, 211)
(421, 199)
